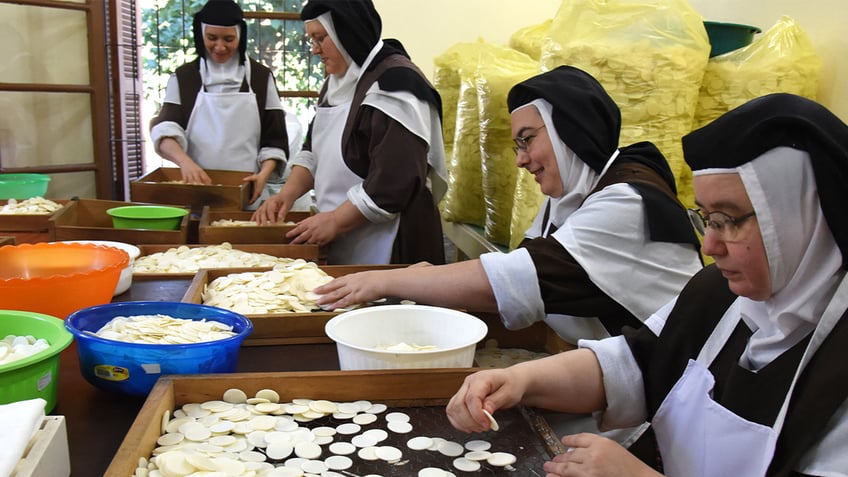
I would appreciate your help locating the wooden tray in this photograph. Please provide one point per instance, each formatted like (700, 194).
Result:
(29, 222)
(537, 337)
(227, 192)
(304, 328)
(280, 328)
(28, 228)
(150, 287)
(275, 234)
(420, 393)
(86, 219)
(304, 251)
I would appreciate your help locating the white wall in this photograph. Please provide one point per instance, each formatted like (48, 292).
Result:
(429, 28)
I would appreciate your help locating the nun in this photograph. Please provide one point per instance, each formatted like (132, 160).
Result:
(743, 372)
(222, 110)
(610, 246)
(374, 152)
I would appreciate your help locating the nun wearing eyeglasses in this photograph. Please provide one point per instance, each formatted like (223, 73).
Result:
(374, 153)
(222, 110)
(744, 372)
(610, 246)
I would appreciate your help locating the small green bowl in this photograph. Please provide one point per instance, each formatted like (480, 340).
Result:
(23, 186)
(37, 375)
(155, 217)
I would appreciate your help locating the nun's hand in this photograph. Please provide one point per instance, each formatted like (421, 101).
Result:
(488, 390)
(194, 174)
(259, 180)
(272, 210)
(319, 229)
(591, 455)
(353, 289)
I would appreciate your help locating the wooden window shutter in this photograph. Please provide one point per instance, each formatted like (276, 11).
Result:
(127, 142)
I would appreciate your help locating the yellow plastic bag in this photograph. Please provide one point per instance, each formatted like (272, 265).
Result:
(781, 60)
(455, 80)
(529, 39)
(527, 200)
(500, 69)
(447, 79)
(650, 55)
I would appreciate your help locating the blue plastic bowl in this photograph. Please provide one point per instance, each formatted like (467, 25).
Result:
(133, 368)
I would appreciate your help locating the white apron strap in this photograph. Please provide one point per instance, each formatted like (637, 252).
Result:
(834, 311)
(224, 130)
(369, 243)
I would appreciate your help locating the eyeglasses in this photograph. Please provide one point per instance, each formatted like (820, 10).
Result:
(523, 142)
(315, 42)
(725, 226)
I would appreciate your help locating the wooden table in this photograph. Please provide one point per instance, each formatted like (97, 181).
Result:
(97, 420)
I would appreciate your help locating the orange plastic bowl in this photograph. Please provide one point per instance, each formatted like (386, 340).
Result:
(58, 278)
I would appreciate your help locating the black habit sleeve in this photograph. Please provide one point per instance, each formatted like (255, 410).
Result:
(566, 288)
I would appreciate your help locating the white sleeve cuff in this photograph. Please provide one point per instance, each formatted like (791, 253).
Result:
(513, 279)
(625, 390)
(305, 159)
(271, 153)
(168, 129)
(360, 199)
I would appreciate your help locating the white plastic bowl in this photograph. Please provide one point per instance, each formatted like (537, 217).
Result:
(360, 334)
(125, 279)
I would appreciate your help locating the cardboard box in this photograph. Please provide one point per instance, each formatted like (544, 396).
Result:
(28, 228)
(47, 453)
(421, 393)
(86, 219)
(280, 328)
(163, 186)
(304, 251)
(275, 234)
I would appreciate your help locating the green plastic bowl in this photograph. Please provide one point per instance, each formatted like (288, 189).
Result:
(726, 37)
(35, 376)
(157, 217)
(23, 186)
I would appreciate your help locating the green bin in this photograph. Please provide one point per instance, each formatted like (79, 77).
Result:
(726, 37)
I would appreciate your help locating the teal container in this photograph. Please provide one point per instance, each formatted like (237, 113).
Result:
(156, 217)
(726, 37)
(23, 186)
(35, 376)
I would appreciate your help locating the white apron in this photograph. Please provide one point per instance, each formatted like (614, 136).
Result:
(224, 130)
(369, 243)
(697, 437)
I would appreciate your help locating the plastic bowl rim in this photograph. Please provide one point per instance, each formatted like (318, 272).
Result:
(131, 250)
(177, 212)
(123, 263)
(87, 335)
(753, 28)
(334, 321)
(28, 178)
(54, 348)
